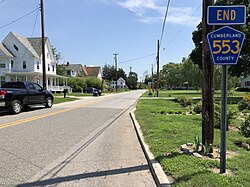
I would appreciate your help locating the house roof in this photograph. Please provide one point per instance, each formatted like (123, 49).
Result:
(91, 70)
(121, 79)
(75, 67)
(36, 43)
(5, 51)
(27, 44)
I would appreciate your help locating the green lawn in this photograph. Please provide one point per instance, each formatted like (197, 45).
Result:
(62, 100)
(165, 133)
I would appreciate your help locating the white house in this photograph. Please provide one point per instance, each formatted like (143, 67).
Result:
(245, 82)
(21, 60)
(121, 83)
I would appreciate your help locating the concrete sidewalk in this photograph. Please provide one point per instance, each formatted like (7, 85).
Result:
(92, 163)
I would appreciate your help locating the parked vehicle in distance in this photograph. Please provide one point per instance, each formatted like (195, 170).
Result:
(93, 90)
(14, 96)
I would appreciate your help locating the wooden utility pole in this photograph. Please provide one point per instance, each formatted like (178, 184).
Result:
(43, 47)
(152, 83)
(116, 69)
(130, 70)
(158, 68)
(207, 82)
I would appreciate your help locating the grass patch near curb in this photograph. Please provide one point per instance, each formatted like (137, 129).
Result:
(165, 133)
(63, 100)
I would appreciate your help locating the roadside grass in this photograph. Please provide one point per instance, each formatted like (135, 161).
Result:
(62, 100)
(165, 133)
(192, 93)
(76, 94)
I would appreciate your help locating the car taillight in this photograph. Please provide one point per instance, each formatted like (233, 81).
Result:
(2, 93)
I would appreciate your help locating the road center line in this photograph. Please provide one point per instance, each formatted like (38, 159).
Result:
(13, 123)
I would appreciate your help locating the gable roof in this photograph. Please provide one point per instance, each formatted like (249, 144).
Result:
(36, 43)
(92, 70)
(75, 67)
(5, 51)
(26, 43)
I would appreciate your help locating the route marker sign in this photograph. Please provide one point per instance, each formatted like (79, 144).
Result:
(226, 15)
(225, 45)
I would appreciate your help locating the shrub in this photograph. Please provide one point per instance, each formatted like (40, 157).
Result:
(245, 127)
(183, 101)
(245, 103)
(217, 116)
(198, 108)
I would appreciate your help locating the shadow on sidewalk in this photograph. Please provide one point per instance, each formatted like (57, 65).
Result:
(85, 176)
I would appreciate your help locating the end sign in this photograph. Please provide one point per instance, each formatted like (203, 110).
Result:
(225, 45)
(226, 15)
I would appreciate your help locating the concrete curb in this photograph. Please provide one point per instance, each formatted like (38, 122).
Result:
(157, 172)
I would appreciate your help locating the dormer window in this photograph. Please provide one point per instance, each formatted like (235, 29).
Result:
(37, 65)
(16, 48)
(24, 64)
(12, 63)
(48, 67)
(48, 55)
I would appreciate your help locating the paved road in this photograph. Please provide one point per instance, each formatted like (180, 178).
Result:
(90, 142)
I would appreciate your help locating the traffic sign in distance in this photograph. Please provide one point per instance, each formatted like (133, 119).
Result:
(226, 15)
(225, 45)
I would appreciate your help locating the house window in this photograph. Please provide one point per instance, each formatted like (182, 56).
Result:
(37, 65)
(247, 83)
(68, 72)
(12, 63)
(48, 67)
(16, 48)
(2, 80)
(2, 65)
(49, 81)
(24, 64)
(53, 68)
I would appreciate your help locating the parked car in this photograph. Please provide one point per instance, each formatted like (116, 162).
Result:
(14, 96)
(93, 90)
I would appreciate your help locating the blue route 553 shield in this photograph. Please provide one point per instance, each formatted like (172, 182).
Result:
(225, 45)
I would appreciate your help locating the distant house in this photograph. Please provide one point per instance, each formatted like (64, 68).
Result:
(77, 70)
(92, 71)
(74, 70)
(21, 60)
(245, 82)
(121, 84)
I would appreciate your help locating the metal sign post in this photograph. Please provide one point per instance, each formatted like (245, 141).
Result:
(225, 45)
(223, 126)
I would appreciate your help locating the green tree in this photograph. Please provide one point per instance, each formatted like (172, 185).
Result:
(109, 73)
(243, 67)
(132, 80)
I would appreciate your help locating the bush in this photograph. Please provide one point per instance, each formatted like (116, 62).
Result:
(198, 108)
(217, 116)
(245, 103)
(183, 101)
(245, 127)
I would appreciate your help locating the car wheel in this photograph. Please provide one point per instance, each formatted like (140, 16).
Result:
(49, 102)
(15, 107)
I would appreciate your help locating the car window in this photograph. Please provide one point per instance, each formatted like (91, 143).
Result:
(17, 85)
(30, 86)
(38, 87)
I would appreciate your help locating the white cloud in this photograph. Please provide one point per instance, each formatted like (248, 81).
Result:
(149, 11)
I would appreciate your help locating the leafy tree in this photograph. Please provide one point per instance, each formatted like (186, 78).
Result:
(109, 73)
(61, 70)
(132, 80)
(56, 54)
(243, 67)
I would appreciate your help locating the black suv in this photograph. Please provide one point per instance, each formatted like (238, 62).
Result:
(93, 90)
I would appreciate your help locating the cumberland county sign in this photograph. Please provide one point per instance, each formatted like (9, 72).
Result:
(225, 45)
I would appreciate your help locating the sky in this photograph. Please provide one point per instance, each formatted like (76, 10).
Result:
(89, 32)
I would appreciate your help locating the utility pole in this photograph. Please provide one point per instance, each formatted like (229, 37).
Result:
(130, 77)
(152, 84)
(207, 82)
(43, 47)
(158, 68)
(116, 66)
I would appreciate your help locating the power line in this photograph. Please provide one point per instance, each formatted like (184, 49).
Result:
(19, 18)
(138, 58)
(2, 1)
(164, 22)
(183, 27)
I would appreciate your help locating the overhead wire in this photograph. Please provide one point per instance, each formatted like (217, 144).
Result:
(164, 22)
(170, 40)
(19, 18)
(2, 1)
